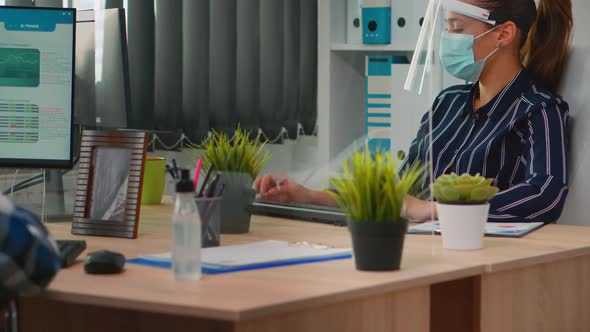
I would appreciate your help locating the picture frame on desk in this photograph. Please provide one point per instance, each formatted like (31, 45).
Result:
(109, 183)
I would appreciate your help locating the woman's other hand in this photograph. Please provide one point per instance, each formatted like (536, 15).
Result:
(280, 188)
(419, 210)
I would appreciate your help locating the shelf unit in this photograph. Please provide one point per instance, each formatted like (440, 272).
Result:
(341, 78)
(336, 47)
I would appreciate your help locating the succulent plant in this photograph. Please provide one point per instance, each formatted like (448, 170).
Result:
(463, 189)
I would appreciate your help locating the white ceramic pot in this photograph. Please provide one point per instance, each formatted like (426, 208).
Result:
(462, 226)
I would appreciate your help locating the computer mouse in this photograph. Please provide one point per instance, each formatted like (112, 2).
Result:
(104, 262)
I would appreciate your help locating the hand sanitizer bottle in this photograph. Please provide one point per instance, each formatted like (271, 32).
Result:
(186, 232)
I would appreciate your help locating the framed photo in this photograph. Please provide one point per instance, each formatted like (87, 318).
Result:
(109, 183)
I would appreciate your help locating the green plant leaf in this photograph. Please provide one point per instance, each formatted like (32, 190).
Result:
(369, 188)
(242, 154)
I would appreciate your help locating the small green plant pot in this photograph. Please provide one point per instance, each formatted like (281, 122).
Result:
(378, 246)
(154, 181)
(238, 196)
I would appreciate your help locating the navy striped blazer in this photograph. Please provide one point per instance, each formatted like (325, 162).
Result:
(518, 138)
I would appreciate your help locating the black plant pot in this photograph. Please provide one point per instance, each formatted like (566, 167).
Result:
(238, 195)
(378, 246)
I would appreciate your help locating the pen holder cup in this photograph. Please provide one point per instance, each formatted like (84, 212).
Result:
(210, 213)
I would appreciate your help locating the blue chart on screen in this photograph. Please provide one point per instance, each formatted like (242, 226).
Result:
(19, 67)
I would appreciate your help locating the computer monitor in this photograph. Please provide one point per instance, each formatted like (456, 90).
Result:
(102, 99)
(36, 86)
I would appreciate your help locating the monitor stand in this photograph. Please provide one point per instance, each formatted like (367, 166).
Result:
(55, 206)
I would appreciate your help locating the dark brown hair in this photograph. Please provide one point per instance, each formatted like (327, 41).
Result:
(546, 33)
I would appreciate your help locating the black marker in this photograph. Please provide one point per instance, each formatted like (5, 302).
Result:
(171, 171)
(207, 176)
(213, 185)
(175, 168)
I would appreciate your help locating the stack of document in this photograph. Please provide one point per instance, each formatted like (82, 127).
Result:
(492, 228)
(258, 255)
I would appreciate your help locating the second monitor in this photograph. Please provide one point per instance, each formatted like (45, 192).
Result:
(102, 70)
(36, 86)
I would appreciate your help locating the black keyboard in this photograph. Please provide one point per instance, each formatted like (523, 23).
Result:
(69, 250)
(305, 212)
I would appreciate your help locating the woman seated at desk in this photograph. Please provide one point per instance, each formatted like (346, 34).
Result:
(510, 125)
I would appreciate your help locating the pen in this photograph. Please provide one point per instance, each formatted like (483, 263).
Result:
(279, 183)
(175, 169)
(220, 193)
(197, 173)
(213, 186)
(202, 190)
(171, 171)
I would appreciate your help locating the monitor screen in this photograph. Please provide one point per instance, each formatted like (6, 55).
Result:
(36, 86)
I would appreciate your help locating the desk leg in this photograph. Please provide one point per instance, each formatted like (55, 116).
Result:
(454, 305)
(391, 312)
(548, 297)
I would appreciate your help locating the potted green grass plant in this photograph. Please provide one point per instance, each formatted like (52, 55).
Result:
(463, 208)
(240, 160)
(371, 193)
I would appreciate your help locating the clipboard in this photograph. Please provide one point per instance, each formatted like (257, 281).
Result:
(493, 229)
(253, 256)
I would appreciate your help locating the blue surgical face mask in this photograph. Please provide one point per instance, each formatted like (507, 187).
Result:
(457, 55)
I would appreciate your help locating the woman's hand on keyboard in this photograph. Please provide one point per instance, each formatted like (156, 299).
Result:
(279, 188)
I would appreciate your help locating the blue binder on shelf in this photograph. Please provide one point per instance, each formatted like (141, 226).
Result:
(379, 94)
(376, 18)
(253, 256)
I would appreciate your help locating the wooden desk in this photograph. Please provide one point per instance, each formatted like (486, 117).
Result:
(329, 296)
(535, 284)
(538, 283)
(548, 293)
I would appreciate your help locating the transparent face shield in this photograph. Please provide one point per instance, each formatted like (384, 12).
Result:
(450, 19)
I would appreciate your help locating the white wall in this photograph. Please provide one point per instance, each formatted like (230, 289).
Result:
(576, 91)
